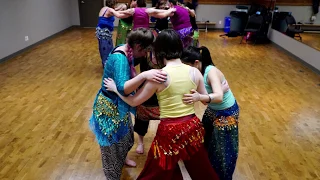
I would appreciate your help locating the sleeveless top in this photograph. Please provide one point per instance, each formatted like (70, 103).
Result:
(106, 22)
(161, 24)
(228, 98)
(170, 99)
(180, 19)
(140, 18)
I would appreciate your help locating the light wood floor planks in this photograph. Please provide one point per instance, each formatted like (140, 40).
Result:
(311, 39)
(47, 93)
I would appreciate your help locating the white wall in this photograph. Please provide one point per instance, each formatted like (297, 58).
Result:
(37, 19)
(304, 52)
(300, 13)
(214, 13)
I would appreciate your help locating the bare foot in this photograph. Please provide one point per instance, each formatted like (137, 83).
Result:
(140, 148)
(130, 163)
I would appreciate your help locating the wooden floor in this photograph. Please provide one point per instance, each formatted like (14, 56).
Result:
(47, 93)
(311, 39)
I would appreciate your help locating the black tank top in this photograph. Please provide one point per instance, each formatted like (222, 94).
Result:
(146, 65)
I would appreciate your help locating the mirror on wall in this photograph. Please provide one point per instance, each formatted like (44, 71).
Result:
(299, 21)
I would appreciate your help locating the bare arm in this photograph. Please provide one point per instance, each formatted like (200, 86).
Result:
(215, 97)
(159, 13)
(225, 86)
(196, 95)
(201, 89)
(154, 75)
(134, 83)
(122, 14)
(121, 75)
(199, 81)
(213, 79)
(192, 12)
(143, 94)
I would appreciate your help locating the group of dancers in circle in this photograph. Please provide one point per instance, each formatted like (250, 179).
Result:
(174, 74)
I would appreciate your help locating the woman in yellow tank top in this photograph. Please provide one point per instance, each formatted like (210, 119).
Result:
(180, 133)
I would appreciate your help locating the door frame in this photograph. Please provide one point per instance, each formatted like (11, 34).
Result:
(81, 23)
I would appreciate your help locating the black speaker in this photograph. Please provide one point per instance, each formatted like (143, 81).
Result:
(238, 21)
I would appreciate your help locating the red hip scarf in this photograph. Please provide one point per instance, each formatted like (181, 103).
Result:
(177, 139)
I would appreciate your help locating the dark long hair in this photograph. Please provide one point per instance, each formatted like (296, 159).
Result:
(167, 45)
(160, 3)
(191, 54)
(174, 2)
(141, 3)
(110, 3)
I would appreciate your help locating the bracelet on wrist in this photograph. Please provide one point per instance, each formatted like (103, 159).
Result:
(209, 99)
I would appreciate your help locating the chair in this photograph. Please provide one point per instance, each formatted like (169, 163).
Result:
(254, 25)
(293, 29)
(279, 21)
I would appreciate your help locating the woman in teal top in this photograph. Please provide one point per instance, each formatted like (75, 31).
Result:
(220, 119)
(110, 121)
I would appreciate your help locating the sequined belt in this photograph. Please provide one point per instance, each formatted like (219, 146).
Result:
(125, 26)
(185, 32)
(177, 139)
(177, 119)
(108, 95)
(108, 117)
(226, 119)
(103, 33)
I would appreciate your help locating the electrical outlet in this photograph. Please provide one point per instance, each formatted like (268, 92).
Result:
(26, 38)
(220, 22)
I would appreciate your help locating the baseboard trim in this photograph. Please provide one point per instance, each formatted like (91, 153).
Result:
(33, 45)
(317, 71)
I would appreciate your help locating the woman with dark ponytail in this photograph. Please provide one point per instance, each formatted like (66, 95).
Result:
(220, 119)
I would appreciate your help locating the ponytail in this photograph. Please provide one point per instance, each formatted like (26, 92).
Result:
(174, 2)
(141, 3)
(205, 58)
(191, 54)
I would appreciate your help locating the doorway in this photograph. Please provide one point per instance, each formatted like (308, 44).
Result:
(89, 11)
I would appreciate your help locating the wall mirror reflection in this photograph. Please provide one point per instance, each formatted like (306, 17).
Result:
(298, 19)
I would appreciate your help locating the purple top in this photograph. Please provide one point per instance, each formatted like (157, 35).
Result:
(180, 19)
(140, 18)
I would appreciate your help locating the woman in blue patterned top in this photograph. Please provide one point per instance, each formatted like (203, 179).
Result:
(111, 119)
